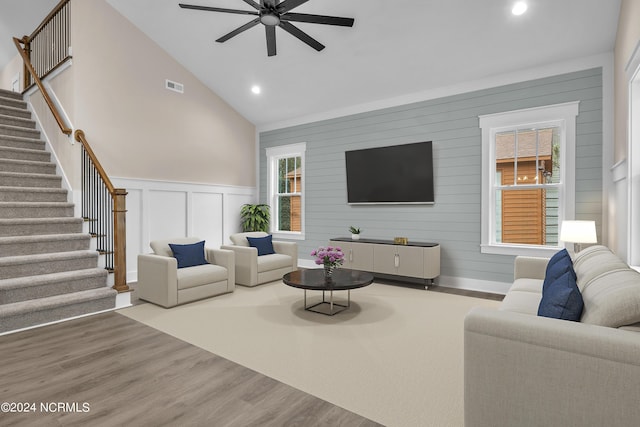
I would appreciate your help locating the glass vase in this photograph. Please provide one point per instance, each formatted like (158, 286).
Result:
(328, 272)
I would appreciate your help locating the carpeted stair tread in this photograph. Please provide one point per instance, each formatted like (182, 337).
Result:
(52, 301)
(13, 102)
(27, 166)
(46, 285)
(54, 308)
(19, 282)
(37, 264)
(6, 110)
(46, 243)
(32, 194)
(29, 226)
(19, 131)
(17, 121)
(21, 179)
(24, 154)
(56, 256)
(35, 209)
(5, 93)
(21, 142)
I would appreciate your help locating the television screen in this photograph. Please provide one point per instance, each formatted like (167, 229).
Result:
(395, 174)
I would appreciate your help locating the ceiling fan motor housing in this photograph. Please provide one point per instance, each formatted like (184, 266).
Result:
(269, 18)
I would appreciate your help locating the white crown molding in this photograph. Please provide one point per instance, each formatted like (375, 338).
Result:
(601, 60)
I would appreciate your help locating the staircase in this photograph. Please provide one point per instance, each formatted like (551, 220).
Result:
(47, 270)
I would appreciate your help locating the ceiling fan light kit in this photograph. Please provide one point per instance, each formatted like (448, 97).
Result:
(272, 14)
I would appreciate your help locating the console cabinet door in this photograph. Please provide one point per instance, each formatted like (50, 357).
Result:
(357, 256)
(410, 261)
(347, 250)
(385, 259)
(361, 256)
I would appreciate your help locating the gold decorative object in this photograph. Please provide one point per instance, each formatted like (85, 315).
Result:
(401, 240)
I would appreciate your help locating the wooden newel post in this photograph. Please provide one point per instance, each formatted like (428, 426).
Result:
(120, 240)
(26, 77)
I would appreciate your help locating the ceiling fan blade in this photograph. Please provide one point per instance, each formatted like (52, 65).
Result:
(271, 39)
(287, 5)
(298, 33)
(318, 19)
(217, 9)
(253, 4)
(239, 30)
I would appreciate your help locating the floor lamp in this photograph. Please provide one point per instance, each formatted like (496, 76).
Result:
(578, 232)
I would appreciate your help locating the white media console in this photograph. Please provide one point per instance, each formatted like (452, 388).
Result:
(416, 260)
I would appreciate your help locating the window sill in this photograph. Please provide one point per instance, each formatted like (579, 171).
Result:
(287, 235)
(515, 250)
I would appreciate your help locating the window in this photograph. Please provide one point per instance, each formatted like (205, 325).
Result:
(285, 171)
(528, 171)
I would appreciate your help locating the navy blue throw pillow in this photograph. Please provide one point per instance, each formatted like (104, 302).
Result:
(562, 299)
(559, 264)
(264, 245)
(189, 255)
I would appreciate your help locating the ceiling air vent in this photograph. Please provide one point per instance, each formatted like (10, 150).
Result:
(174, 86)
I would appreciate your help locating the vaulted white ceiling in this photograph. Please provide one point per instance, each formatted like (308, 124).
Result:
(396, 48)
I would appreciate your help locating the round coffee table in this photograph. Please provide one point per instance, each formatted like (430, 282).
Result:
(342, 280)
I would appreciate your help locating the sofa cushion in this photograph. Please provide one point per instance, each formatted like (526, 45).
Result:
(199, 275)
(273, 262)
(264, 245)
(240, 239)
(587, 253)
(561, 299)
(559, 264)
(612, 299)
(161, 247)
(593, 262)
(189, 255)
(519, 301)
(527, 285)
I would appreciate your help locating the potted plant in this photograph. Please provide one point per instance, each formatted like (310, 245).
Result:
(355, 232)
(255, 217)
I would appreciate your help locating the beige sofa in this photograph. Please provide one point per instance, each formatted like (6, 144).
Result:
(524, 370)
(253, 270)
(161, 282)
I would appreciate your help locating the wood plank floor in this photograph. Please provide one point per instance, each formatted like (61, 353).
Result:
(132, 375)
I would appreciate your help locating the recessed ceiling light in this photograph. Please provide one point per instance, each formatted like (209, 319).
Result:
(519, 8)
(255, 89)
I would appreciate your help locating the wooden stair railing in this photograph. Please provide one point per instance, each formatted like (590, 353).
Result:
(49, 44)
(29, 67)
(96, 192)
(98, 198)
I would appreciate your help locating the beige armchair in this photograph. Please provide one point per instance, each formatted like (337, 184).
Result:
(161, 282)
(251, 269)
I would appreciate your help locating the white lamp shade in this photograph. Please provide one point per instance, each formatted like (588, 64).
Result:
(578, 232)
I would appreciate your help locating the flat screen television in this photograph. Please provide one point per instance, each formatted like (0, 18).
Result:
(396, 174)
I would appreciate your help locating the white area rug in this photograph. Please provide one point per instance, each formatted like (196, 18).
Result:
(396, 356)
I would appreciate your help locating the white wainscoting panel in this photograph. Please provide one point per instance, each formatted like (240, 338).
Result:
(206, 221)
(167, 214)
(135, 232)
(163, 209)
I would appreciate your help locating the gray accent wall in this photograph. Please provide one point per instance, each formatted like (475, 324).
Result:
(452, 124)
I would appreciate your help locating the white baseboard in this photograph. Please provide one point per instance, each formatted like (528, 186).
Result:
(473, 284)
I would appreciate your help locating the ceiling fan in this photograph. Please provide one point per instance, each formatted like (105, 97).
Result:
(272, 14)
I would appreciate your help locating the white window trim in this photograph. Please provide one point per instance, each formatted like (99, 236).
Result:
(562, 115)
(273, 155)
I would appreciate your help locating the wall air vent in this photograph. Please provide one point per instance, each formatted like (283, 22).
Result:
(174, 86)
